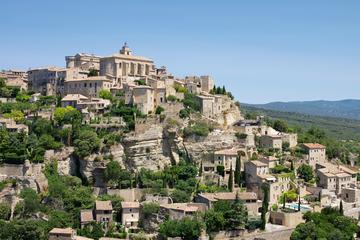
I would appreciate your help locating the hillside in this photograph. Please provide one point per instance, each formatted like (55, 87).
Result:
(349, 108)
(339, 128)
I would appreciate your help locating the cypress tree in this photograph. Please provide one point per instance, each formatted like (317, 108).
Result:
(299, 204)
(231, 180)
(265, 205)
(284, 201)
(238, 171)
(292, 165)
(223, 90)
(200, 169)
(341, 209)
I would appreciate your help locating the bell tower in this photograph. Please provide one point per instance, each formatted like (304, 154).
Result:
(125, 50)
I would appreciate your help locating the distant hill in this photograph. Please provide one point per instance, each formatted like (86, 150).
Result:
(349, 108)
(339, 128)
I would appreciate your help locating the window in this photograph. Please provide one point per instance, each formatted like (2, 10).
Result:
(84, 84)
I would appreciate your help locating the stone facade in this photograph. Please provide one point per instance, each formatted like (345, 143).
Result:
(15, 78)
(316, 153)
(83, 61)
(123, 66)
(89, 87)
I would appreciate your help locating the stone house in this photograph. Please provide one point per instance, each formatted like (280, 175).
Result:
(177, 211)
(103, 212)
(197, 84)
(257, 174)
(335, 177)
(250, 200)
(290, 138)
(316, 153)
(287, 219)
(12, 126)
(271, 141)
(86, 217)
(226, 158)
(62, 234)
(211, 105)
(50, 81)
(143, 98)
(15, 78)
(130, 214)
(270, 161)
(89, 87)
(81, 102)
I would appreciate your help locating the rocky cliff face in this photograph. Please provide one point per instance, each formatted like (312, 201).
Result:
(202, 148)
(149, 150)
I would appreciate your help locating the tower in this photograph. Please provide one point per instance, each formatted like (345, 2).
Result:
(125, 50)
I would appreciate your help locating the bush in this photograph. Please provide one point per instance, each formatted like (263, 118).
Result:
(5, 211)
(159, 110)
(241, 136)
(184, 113)
(149, 209)
(171, 98)
(198, 129)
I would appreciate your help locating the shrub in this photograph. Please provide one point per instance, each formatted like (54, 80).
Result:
(159, 110)
(150, 208)
(171, 98)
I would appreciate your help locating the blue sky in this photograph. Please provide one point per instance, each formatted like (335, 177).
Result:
(260, 50)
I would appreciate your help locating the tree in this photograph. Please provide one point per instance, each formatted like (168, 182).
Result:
(16, 115)
(87, 143)
(185, 228)
(265, 205)
(31, 201)
(280, 126)
(200, 169)
(341, 208)
(105, 94)
(238, 171)
(67, 115)
(305, 172)
(299, 204)
(179, 196)
(214, 221)
(231, 180)
(5, 211)
(93, 72)
(159, 110)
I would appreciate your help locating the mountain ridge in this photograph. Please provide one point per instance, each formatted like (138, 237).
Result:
(346, 108)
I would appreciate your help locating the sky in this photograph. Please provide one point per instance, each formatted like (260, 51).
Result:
(262, 51)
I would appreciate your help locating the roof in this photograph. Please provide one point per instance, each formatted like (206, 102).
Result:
(94, 78)
(270, 159)
(86, 215)
(130, 204)
(227, 152)
(82, 238)
(229, 196)
(267, 177)
(62, 231)
(258, 163)
(314, 146)
(103, 205)
(143, 86)
(343, 174)
(185, 207)
(74, 97)
(130, 57)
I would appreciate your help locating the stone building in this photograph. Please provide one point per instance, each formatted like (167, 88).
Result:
(62, 234)
(197, 84)
(81, 102)
(271, 141)
(257, 173)
(15, 78)
(83, 61)
(143, 98)
(104, 212)
(89, 87)
(177, 211)
(130, 214)
(226, 158)
(316, 153)
(123, 66)
(250, 200)
(86, 217)
(210, 105)
(50, 81)
(335, 177)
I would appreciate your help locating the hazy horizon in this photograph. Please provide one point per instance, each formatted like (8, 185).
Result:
(261, 51)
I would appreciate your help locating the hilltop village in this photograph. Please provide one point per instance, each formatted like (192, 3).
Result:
(116, 148)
